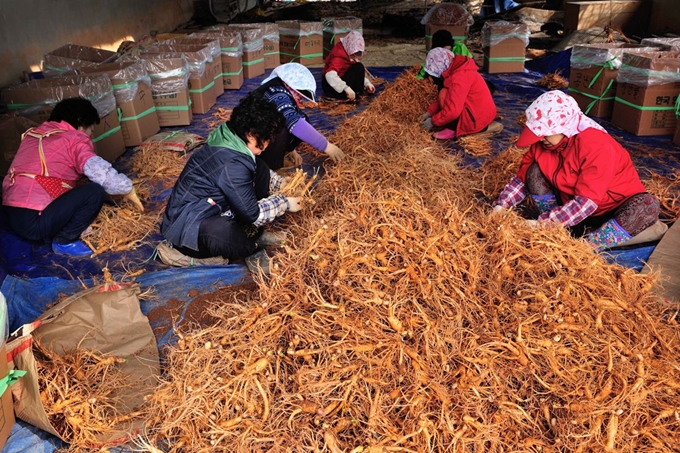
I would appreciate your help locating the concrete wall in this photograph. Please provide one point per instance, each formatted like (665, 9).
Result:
(665, 17)
(31, 28)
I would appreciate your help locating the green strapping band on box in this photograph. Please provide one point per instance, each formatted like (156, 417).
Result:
(250, 63)
(24, 106)
(56, 69)
(122, 86)
(204, 89)
(229, 74)
(136, 117)
(596, 98)
(607, 64)
(173, 108)
(455, 38)
(111, 131)
(641, 107)
(272, 53)
(309, 57)
(11, 378)
(677, 106)
(505, 59)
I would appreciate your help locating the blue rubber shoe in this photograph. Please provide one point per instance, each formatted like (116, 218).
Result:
(76, 249)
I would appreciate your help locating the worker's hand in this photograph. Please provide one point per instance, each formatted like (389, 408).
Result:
(534, 224)
(334, 153)
(132, 196)
(295, 158)
(351, 95)
(370, 89)
(498, 209)
(294, 204)
(424, 117)
(427, 125)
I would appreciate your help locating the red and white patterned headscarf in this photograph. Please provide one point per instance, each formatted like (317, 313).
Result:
(554, 113)
(353, 43)
(438, 60)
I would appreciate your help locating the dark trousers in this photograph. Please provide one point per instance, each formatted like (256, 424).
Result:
(61, 221)
(283, 143)
(224, 236)
(354, 78)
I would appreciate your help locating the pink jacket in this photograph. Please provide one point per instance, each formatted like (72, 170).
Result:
(65, 155)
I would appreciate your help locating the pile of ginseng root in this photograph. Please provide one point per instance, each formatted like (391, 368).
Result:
(401, 317)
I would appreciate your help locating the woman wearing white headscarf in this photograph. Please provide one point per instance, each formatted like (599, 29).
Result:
(286, 86)
(343, 76)
(580, 177)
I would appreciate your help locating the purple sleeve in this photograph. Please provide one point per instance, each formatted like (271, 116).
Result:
(306, 132)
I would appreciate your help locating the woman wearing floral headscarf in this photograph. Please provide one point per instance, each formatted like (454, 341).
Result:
(580, 177)
(286, 86)
(464, 105)
(344, 77)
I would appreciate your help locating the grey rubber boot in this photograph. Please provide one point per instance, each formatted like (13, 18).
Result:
(258, 262)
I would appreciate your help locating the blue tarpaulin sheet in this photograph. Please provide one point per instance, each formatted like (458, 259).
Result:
(33, 277)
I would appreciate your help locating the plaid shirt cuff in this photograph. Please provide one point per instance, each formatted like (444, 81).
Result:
(512, 194)
(572, 213)
(271, 208)
(275, 181)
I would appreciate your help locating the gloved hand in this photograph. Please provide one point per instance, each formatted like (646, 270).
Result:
(533, 223)
(498, 209)
(294, 204)
(423, 117)
(351, 95)
(295, 158)
(335, 153)
(132, 196)
(370, 89)
(427, 124)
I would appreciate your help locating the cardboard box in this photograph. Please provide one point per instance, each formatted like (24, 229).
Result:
(676, 137)
(301, 42)
(629, 15)
(37, 98)
(459, 32)
(72, 56)
(593, 73)
(214, 66)
(231, 48)
(504, 44)
(662, 43)
(132, 89)
(170, 89)
(336, 28)
(201, 81)
(11, 129)
(252, 36)
(647, 92)
(270, 38)
(7, 419)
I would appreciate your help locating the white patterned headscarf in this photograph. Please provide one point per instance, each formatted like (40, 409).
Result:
(437, 61)
(353, 43)
(555, 113)
(296, 76)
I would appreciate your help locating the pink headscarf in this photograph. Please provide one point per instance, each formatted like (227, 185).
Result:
(353, 43)
(438, 60)
(554, 113)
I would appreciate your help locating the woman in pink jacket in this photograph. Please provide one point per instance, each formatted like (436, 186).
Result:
(580, 177)
(39, 194)
(464, 105)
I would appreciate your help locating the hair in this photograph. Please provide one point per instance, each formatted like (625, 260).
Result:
(442, 38)
(78, 112)
(256, 116)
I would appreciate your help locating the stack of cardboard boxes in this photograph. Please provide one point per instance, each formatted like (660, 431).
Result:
(336, 28)
(252, 36)
(504, 46)
(270, 37)
(301, 42)
(170, 89)
(214, 65)
(648, 86)
(231, 49)
(592, 77)
(132, 90)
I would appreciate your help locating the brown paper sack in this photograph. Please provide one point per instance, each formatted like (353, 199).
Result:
(106, 319)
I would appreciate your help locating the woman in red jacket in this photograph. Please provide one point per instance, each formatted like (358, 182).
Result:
(343, 76)
(580, 177)
(464, 106)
